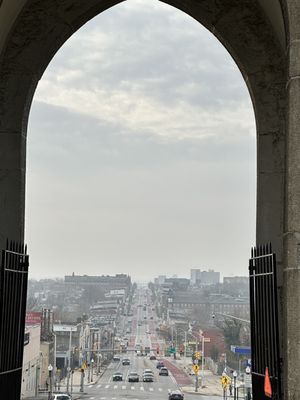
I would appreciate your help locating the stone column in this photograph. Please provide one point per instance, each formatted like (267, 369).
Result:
(292, 214)
(15, 100)
(12, 186)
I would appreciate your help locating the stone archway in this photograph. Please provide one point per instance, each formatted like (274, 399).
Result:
(254, 32)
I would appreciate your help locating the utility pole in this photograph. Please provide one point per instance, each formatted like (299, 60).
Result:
(202, 369)
(81, 380)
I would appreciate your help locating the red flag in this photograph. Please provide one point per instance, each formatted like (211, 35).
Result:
(268, 386)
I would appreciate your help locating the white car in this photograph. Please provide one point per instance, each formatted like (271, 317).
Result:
(61, 396)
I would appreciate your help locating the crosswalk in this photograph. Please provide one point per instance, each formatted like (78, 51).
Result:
(130, 387)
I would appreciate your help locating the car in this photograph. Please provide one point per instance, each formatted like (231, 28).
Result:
(160, 364)
(61, 396)
(116, 358)
(117, 376)
(148, 371)
(125, 361)
(164, 371)
(133, 377)
(151, 317)
(148, 377)
(176, 395)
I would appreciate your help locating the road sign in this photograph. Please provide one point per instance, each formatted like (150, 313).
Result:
(196, 368)
(225, 380)
(248, 380)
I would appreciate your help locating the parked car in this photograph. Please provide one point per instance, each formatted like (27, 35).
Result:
(125, 361)
(176, 395)
(117, 376)
(164, 371)
(61, 396)
(148, 377)
(160, 364)
(116, 358)
(133, 377)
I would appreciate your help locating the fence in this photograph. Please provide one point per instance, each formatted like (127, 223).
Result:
(13, 291)
(264, 322)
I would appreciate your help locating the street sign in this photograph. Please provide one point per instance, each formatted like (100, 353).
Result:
(248, 380)
(196, 368)
(225, 380)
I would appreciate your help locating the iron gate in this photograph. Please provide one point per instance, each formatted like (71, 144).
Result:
(264, 322)
(13, 291)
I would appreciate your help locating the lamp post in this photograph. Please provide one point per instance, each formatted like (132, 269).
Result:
(92, 365)
(234, 384)
(50, 369)
(72, 375)
(202, 366)
(68, 378)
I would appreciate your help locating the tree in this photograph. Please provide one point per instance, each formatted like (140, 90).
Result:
(214, 353)
(232, 331)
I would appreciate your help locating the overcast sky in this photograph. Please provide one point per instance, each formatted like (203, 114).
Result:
(141, 151)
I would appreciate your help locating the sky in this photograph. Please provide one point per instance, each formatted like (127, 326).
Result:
(141, 151)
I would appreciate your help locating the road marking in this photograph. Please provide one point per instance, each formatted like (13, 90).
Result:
(98, 386)
(90, 386)
(132, 387)
(142, 388)
(160, 389)
(107, 386)
(92, 398)
(151, 389)
(123, 387)
(116, 387)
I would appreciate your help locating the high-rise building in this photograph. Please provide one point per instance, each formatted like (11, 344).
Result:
(204, 278)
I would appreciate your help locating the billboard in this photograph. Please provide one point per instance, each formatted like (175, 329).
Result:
(33, 318)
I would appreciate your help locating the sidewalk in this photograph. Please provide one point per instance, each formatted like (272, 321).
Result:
(211, 383)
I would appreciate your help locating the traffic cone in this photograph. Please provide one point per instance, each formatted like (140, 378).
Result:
(268, 386)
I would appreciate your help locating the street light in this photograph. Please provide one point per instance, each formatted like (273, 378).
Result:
(234, 374)
(92, 363)
(50, 369)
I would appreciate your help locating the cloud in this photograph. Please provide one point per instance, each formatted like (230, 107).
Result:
(141, 150)
(185, 85)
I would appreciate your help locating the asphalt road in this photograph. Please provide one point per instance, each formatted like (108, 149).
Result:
(143, 334)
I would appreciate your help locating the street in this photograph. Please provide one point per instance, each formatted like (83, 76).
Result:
(142, 335)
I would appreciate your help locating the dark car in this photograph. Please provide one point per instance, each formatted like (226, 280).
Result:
(125, 361)
(148, 377)
(117, 376)
(116, 358)
(160, 364)
(176, 395)
(152, 357)
(163, 371)
(133, 377)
